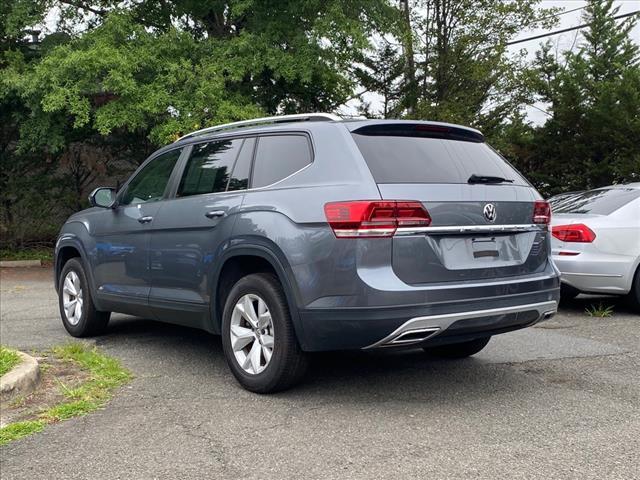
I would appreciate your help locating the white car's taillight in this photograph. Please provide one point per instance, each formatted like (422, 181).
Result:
(578, 233)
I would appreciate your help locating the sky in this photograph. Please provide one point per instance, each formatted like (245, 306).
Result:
(563, 40)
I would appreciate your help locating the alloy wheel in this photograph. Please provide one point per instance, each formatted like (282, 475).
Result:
(72, 297)
(252, 333)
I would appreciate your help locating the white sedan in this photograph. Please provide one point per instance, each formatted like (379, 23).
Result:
(596, 241)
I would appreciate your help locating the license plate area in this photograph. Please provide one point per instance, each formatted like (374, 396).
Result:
(468, 252)
(485, 247)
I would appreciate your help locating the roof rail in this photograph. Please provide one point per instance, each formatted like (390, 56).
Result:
(298, 117)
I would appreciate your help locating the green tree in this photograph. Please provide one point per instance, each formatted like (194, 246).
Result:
(382, 73)
(164, 68)
(463, 71)
(115, 79)
(591, 138)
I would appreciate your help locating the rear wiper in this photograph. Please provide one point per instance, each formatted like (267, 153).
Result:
(487, 179)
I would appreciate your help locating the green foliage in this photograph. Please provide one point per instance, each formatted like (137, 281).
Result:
(90, 101)
(106, 375)
(8, 359)
(43, 254)
(590, 139)
(600, 310)
(15, 431)
(462, 71)
(382, 73)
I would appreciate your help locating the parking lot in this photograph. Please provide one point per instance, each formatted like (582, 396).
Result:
(560, 400)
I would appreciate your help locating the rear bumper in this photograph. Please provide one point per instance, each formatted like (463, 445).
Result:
(597, 273)
(426, 324)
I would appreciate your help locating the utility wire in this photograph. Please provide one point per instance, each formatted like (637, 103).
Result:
(567, 29)
(561, 13)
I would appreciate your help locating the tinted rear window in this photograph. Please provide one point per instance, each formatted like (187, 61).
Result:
(598, 202)
(404, 159)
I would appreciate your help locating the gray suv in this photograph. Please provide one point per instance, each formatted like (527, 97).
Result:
(303, 233)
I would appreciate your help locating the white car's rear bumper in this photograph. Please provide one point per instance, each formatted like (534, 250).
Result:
(597, 273)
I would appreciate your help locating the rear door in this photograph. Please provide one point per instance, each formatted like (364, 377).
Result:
(482, 227)
(191, 229)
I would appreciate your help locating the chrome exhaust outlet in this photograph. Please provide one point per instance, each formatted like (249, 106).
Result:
(548, 315)
(409, 337)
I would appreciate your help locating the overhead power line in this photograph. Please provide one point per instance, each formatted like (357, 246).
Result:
(578, 27)
(562, 13)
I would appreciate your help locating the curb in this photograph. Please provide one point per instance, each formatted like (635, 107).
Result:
(21, 380)
(20, 263)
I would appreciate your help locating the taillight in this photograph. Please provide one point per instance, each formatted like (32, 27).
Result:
(573, 233)
(541, 212)
(365, 218)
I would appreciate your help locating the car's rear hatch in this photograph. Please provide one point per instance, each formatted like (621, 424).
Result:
(481, 228)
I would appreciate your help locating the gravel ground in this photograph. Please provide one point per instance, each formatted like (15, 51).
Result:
(561, 400)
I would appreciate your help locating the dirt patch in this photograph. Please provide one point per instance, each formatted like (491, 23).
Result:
(57, 377)
(34, 274)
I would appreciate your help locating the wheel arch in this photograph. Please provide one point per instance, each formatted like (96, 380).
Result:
(69, 246)
(268, 260)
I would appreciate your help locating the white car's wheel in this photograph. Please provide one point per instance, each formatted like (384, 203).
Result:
(634, 294)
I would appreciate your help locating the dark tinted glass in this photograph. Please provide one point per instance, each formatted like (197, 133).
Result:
(240, 176)
(209, 167)
(599, 202)
(404, 159)
(149, 184)
(279, 156)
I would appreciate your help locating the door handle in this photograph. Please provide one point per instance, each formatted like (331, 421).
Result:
(145, 219)
(214, 214)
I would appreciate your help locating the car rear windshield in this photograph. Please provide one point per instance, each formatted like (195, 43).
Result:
(429, 159)
(599, 202)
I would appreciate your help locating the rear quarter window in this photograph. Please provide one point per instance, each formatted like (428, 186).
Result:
(598, 202)
(407, 159)
(279, 156)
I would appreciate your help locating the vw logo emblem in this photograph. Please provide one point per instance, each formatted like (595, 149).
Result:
(490, 212)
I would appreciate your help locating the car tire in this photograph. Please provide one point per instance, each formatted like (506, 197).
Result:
(458, 350)
(634, 295)
(79, 314)
(567, 292)
(260, 346)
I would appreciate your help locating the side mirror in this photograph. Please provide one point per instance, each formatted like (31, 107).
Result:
(104, 197)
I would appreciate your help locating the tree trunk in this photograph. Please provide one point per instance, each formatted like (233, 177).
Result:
(411, 98)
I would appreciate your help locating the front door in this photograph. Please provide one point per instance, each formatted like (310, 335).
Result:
(122, 237)
(192, 228)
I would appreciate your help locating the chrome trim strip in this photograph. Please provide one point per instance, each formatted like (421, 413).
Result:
(470, 229)
(442, 322)
(609, 275)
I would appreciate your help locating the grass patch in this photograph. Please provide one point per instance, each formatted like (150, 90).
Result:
(600, 310)
(44, 254)
(18, 430)
(105, 375)
(8, 359)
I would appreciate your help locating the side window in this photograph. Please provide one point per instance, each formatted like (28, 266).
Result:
(279, 156)
(209, 167)
(150, 182)
(240, 177)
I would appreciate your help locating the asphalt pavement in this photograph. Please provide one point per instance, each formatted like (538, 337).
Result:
(557, 401)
